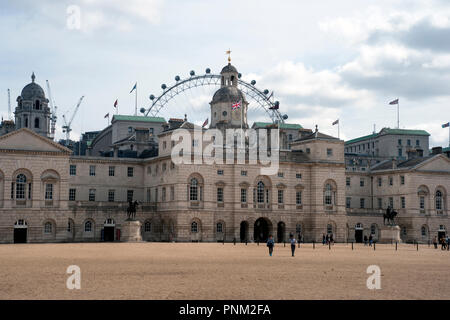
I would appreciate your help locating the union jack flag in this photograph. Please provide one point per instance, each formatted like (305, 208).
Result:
(236, 105)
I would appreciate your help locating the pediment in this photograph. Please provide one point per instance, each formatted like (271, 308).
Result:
(439, 163)
(27, 140)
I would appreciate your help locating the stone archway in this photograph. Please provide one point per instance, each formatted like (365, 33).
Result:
(281, 231)
(262, 229)
(243, 234)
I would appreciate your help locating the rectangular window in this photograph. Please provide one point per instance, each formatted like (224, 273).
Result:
(130, 195)
(91, 194)
(280, 196)
(400, 152)
(220, 172)
(348, 202)
(112, 171)
(308, 150)
(149, 195)
(156, 194)
(422, 202)
(298, 175)
(298, 198)
(163, 194)
(399, 142)
(280, 174)
(361, 182)
(172, 193)
(219, 194)
(380, 182)
(380, 203)
(347, 181)
(92, 171)
(243, 195)
(130, 171)
(72, 194)
(403, 202)
(391, 181)
(49, 191)
(111, 194)
(362, 203)
(329, 152)
(244, 173)
(417, 143)
(402, 179)
(391, 202)
(73, 170)
(408, 142)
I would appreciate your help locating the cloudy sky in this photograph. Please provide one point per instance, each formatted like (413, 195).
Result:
(323, 59)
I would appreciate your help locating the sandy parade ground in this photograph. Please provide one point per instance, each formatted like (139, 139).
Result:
(217, 271)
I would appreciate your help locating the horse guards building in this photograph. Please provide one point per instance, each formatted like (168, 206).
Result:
(323, 184)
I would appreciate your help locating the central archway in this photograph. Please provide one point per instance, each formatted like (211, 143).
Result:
(244, 231)
(262, 229)
(281, 228)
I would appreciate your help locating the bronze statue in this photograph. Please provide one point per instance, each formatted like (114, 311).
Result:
(131, 210)
(389, 215)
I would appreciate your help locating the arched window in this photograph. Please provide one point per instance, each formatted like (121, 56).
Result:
(36, 123)
(328, 196)
(260, 192)
(219, 227)
(359, 226)
(193, 190)
(438, 200)
(148, 227)
(373, 229)
(88, 226)
(48, 227)
(38, 105)
(194, 227)
(424, 231)
(298, 228)
(21, 182)
(329, 228)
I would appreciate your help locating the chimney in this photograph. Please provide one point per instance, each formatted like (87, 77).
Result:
(436, 150)
(394, 163)
(142, 134)
(412, 154)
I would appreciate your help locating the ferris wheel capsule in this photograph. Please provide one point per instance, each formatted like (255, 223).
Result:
(142, 110)
(163, 86)
(152, 97)
(266, 92)
(253, 82)
(208, 70)
(239, 75)
(192, 73)
(177, 78)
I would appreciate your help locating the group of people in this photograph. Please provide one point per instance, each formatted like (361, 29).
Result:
(444, 241)
(327, 239)
(368, 240)
(292, 240)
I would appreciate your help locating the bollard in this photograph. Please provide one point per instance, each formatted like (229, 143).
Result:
(314, 244)
(417, 246)
(374, 246)
(428, 243)
(329, 245)
(246, 241)
(352, 245)
(223, 242)
(299, 244)
(395, 245)
(284, 242)
(258, 242)
(234, 241)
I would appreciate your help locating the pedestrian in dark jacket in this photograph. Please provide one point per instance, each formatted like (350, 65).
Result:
(293, 243)
(435, 243)
(324, 239)
(270, 244)
(370, 240)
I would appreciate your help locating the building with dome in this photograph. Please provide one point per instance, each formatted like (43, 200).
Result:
(32, 109)
(49, 195)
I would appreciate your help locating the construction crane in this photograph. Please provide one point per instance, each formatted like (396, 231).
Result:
(53, 109)
(67, 127)
(9, 105)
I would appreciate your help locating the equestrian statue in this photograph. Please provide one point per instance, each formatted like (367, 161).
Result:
(389, 215)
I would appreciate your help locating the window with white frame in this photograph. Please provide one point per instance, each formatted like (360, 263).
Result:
(424, 231)
(373, 229)
(298, 198)
(48, 227)
(329, 229)
(72, 194)
(220, 194)
(280, 196)
(111, 195)
(130, 194)
(403, 202)
(438, 200)
(92, 171)
(147, 227)
(91, 194)
(73, 170)
(194, 227)
(347, 181)
(21, 182)
(172, 193)
(422, 202)
(111, 171)
(193, 190)
(243, 195)
(219, 227)
(48, 191)
(362, 203)
(88, 226)
(243, 173)
(328, 194)
(348, 202)
(260, 192)
(130, 171)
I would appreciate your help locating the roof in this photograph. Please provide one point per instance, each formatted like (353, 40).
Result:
(32, 90)
(229, 68)
(118, 117)
(282, 125)
(407, 164)
(370, 136)
(386, 131)
(317, 136)
(229, 94)
(411, 132)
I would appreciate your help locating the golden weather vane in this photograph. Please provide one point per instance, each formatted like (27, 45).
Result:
(228, 52)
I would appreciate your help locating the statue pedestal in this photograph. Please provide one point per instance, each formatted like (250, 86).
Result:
(131, 231)
(389, 234)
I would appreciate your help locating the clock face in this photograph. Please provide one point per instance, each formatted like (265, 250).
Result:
(224, 113)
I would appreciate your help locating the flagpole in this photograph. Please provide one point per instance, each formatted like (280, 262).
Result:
(135, 104)
(398, 113)
(339, 135)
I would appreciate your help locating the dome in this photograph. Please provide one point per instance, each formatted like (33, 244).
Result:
(229, 68)
(228, 94)
(32, 90)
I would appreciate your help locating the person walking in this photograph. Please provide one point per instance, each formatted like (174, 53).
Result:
(365, 240)
(370, 240)
(270, 244)
(323, 239)
(448, 243)
(331, 239)
(435, 243)
(293, 243)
